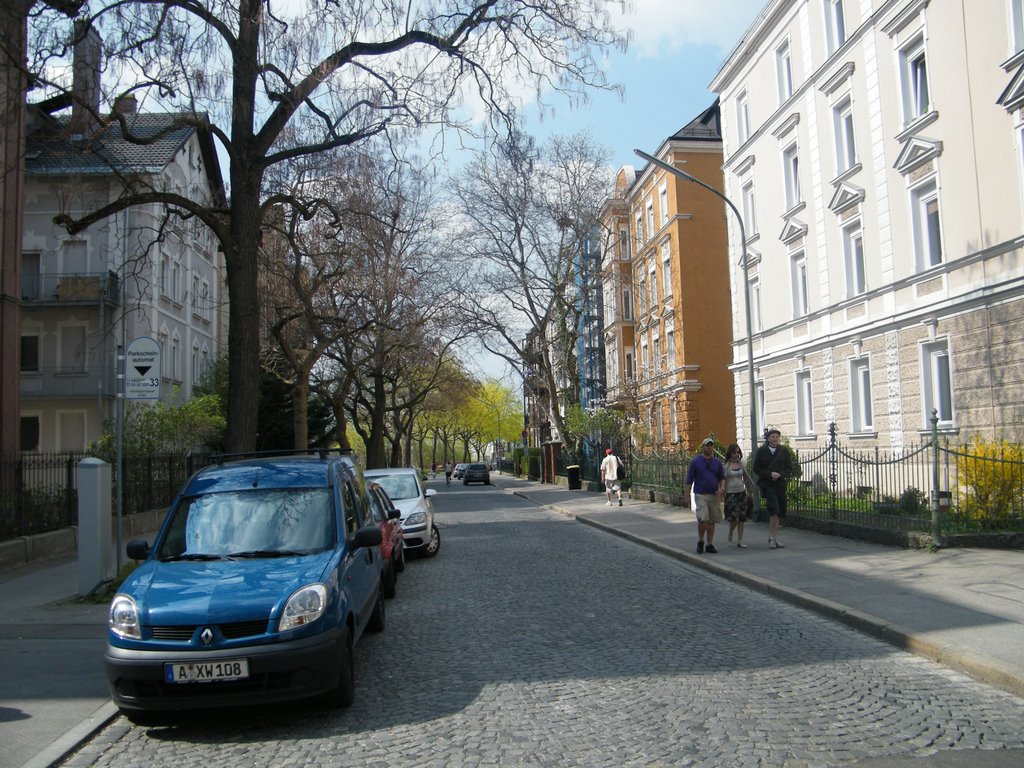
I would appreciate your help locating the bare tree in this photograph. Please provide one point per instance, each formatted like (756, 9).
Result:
(533, 213)
(273, 88)
(401, 323)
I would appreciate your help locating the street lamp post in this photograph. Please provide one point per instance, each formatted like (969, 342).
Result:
(746, 286)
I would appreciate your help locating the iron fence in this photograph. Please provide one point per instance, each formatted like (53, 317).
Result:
(39, 491)
(934, 487)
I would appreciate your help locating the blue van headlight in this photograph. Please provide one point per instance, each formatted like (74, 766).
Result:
(305, 605)
(124, 617)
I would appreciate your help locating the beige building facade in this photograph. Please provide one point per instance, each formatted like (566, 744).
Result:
(876, 151)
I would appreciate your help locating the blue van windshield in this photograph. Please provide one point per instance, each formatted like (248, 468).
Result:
(272, 521)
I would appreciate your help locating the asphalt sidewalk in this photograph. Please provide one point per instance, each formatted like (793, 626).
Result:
(961, 607)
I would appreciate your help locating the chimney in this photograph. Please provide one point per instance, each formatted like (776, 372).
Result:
(85, 87)
(126, 105)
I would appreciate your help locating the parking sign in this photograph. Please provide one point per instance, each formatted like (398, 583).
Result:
(142, 369)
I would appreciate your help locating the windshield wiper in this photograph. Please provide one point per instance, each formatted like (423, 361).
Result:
(190, 556)
(266, 553)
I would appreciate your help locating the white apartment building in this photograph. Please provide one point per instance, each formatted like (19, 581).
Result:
(140, 272)
(876, 151)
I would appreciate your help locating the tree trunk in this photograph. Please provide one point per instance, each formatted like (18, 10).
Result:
(375, 452)
(300, 408)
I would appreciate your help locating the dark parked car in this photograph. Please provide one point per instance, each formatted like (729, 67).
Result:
(261, 580)
(476, 473)
(459, 469)
(389, 519)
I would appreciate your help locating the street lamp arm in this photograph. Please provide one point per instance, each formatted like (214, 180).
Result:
(672, 169)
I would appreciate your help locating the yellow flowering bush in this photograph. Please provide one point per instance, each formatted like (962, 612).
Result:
(990, 479)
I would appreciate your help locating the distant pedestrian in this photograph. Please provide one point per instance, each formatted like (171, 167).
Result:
(773, 466)
(448, 469)
(738, 490)
(610, 475)
(706, 476)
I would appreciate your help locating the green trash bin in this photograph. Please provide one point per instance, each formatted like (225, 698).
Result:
(572, 472)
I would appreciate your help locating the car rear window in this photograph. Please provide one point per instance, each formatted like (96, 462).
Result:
(478, 466)
(398, 487)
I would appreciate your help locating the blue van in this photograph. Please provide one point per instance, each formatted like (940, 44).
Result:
(263, 577)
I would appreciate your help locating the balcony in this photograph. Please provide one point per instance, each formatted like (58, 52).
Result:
(78, 288)
(46, 383)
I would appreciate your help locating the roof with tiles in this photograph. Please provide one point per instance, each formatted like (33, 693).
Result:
(51, 149)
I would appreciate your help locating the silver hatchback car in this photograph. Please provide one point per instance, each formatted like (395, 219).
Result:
(413, 499)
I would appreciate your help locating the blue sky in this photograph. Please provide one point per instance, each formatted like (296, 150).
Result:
(678, 47)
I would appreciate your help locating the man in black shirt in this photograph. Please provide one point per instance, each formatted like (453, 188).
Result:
(773, 466)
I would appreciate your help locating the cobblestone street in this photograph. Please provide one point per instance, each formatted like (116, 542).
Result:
(532, 640)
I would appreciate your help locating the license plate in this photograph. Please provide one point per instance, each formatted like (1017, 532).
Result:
(207, 671)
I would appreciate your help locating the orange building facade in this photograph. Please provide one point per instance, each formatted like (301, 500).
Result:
(668, 324)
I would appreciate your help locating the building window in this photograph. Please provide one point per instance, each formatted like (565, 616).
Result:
(914, 80)
(798, 272)
(784, 71)
(670, 346)
(197, 370)
(1017, 25)
(195, 295)
(624, 244)
(645, 360)
(835, 25)
(31, 276)
(627, 304)
(176, 358)
(654, 288)
(927, 237)
(656, 359)
(639, 232)
(755, 303)
(207, 303)
(175, 293)
(804, 404)
(630, 368)
(937, 384)
(749, 215)
(791, 170)
(29, 433)
(30, 354)
(642, 291)
(650, 219)
(846, 146)
(165, 274)
(663, 205)
(666, 270)
(742, 117)
(659, 422)
(861, 416)
(853, 254)
(673, 421)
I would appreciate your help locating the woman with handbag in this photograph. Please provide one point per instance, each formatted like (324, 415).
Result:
(738, 489)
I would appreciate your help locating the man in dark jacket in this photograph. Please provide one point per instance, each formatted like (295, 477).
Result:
(773, 466)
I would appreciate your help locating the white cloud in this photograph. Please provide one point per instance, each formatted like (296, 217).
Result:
(663, 26)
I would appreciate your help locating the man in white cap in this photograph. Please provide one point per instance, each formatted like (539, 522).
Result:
(707, 477)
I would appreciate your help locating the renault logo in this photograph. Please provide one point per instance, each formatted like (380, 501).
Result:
(206, 636)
